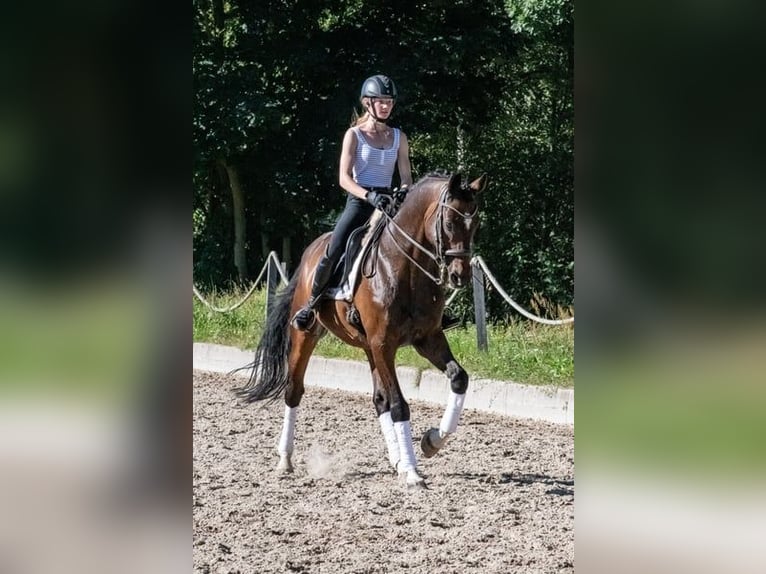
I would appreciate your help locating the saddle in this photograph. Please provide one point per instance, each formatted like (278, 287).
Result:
(359, 247)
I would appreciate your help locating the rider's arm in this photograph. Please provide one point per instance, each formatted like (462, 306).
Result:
(403, 161)
(347, 154)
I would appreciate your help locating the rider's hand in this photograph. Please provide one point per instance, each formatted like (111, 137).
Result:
(400, 193)
(379, 200)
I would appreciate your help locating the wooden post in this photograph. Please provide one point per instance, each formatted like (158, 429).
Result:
(479, 308)
(272, 276)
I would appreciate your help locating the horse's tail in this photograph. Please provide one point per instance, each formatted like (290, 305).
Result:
(269, 376)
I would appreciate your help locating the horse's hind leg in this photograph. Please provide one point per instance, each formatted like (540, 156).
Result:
(303, 344)
(436, 349)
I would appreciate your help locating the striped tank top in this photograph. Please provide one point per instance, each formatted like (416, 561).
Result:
(374, 167)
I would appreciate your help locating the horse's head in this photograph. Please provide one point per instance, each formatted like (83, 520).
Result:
(457, 222)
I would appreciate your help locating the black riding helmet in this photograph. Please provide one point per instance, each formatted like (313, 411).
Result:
(379, 86)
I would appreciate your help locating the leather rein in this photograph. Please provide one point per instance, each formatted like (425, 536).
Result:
(441, 255)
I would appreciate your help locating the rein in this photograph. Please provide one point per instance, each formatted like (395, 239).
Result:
(440, 256)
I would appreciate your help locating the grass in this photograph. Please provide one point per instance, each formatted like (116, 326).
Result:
(522, 352)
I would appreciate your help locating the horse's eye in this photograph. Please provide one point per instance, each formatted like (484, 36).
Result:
(448, 226)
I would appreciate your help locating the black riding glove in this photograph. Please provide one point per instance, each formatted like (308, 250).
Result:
(379, 200)
(400, 193)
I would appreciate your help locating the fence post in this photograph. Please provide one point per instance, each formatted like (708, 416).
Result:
(479, 308)
(272, 275)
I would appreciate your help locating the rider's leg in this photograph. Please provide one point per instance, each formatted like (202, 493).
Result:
(356, 213)
(448, 321)
(304, 318)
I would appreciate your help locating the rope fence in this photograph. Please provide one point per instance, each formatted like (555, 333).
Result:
(477, 262)
(272, 261)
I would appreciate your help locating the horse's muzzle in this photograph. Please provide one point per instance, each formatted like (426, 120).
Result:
(458, 273)
(455, 280)
(458, 270)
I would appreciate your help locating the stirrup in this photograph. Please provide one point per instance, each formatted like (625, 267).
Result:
(353, 317)
(304, 319)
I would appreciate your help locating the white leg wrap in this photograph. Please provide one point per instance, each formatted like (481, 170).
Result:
(387, 426)
(407, 459)
(451, 416)
(288, 431)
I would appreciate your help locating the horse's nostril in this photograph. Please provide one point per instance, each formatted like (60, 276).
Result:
(455, 278)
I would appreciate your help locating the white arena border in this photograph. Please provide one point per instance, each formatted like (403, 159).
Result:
(552, 404)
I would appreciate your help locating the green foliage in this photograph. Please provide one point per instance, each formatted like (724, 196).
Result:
(539, 17)
(211, 215)
(241, 327)
(275, 86)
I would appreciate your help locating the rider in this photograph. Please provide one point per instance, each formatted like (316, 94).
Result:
(371, 150)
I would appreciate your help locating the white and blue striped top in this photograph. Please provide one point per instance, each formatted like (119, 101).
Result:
(374, 167)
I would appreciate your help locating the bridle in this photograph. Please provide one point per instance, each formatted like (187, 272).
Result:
(441, 255)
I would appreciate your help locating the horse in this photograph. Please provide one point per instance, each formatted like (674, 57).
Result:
(426, 245)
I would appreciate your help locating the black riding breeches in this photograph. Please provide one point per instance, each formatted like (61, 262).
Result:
(356, 214)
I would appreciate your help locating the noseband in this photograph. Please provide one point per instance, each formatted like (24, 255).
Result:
(441, 255)
(439, 228)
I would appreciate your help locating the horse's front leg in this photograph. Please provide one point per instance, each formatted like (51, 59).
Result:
(382, 401)
(385, 372)
(436, 349)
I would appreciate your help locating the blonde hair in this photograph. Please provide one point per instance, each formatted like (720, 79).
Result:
(356, 119)
(359, 120)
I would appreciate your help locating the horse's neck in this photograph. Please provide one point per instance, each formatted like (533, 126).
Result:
(414, 219)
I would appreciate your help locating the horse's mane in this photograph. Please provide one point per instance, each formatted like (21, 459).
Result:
(440, 173)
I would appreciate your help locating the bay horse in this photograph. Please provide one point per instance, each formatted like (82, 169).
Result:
(427, 244)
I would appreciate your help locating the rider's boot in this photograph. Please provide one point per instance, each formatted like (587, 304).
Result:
(305, 318)
(449, 322)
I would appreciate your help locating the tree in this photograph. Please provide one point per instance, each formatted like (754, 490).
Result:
(484, 86)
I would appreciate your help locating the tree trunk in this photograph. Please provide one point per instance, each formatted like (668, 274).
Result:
(264, 236)
(286, 249)
(238, 208)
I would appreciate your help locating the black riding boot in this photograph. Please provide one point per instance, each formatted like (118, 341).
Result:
(304, 319)
(449, 322)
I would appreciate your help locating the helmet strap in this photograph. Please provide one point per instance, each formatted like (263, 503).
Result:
(371, 111)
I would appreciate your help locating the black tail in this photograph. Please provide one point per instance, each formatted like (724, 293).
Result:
(269, 376)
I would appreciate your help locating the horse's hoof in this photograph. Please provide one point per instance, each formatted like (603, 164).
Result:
(431, 442)
(285, 466)
(412, 479)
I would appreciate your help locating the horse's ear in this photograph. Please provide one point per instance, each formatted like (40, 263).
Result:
(480, 184)
(454, 184)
